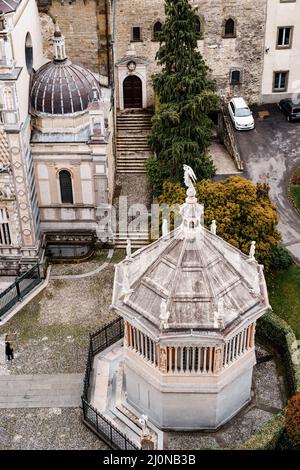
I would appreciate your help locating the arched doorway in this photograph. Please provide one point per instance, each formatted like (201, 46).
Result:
(132, 92)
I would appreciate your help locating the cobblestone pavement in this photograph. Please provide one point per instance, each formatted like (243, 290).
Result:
(70, 269)
(46, 429)
(42, 390)
(53, 329)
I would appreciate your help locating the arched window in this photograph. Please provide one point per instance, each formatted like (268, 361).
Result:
(198, 25)
(156, 30)
(235, 77)
(229, 28)
(8, 99)
(66, 191)
(28, 52)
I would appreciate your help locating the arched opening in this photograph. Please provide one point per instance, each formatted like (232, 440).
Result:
(132, 92)
(156, 30)
(229, 29)
(66, 190)
(8, 99)
(198, 25)
(28, 53)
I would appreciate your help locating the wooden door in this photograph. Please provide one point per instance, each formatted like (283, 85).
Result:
(132, 92)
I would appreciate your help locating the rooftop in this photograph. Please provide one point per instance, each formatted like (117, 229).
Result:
(190, 279)
(8, 6)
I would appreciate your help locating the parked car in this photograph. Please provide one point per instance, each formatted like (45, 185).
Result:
(291, 110)
(240, 114)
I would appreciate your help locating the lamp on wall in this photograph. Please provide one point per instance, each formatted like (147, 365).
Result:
(267, 50)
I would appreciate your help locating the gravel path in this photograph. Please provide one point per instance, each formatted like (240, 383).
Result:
(83, 275)
(53, 329)
(46, 429)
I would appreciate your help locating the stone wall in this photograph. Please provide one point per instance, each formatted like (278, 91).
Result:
(79, 24)
(245, 52)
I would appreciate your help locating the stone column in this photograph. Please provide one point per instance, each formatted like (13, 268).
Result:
(126, 334)
(252, 340)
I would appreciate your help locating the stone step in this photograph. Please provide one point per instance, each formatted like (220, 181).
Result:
(136, 236)
(134, 117)
(129, 171)
(139, 138)
(132, 164)
(125, 148)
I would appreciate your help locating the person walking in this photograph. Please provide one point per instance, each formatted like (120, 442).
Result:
(9, 351)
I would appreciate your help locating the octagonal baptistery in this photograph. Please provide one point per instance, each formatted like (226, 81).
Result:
(190, 302)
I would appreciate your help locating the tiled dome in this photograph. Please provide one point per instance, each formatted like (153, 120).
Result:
(206, 283)
(60, 87)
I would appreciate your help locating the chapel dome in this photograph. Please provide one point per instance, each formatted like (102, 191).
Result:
(61, 87)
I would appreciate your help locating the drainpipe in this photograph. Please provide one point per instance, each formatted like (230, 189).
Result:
(107, 45)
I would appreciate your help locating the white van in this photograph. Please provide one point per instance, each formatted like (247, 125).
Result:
(240, 114)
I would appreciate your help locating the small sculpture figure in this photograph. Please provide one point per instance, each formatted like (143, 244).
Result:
(189, 176)
(143, 421)
(252, 250)
(213, 227)
(126, 285)
(165, 229)
(128, 249)
(163, 360)
(164, 315)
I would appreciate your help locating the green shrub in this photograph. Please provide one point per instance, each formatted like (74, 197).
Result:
(267, 438)
(275, 332)
(280, 258)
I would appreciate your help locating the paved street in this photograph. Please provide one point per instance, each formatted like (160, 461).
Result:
(39, 391)
(271, 152)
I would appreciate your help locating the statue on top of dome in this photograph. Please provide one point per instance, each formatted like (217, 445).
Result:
(189, 176)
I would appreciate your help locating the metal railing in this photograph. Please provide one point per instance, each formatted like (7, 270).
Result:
(98, 423)
(17, 291)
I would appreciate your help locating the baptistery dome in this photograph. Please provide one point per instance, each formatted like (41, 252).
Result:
(61, 87)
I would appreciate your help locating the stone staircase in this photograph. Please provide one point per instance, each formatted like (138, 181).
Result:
(133, 129)
(138, 239)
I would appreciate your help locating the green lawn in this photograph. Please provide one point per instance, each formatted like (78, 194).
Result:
(295, 188)
(295, 193)
(284, 295)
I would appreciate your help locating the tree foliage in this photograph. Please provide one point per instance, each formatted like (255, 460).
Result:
(243, 212)
(181, 129)
(292, 418)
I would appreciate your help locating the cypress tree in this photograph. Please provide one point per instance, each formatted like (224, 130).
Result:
(181, 129)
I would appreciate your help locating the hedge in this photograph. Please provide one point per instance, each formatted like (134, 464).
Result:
(267, 438)
(274, 332)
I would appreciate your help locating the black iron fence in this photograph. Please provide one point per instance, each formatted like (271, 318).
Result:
(17, 291)
(98, 423)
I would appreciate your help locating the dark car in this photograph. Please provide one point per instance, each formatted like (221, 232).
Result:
(290, 109)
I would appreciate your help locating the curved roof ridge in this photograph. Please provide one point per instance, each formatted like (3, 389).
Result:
(65, 88)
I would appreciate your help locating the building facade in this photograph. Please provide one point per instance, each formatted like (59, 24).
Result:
(56, 161)
(70, 144)
(86, 26)
(20, 54)
(232, 44)
(281, 76)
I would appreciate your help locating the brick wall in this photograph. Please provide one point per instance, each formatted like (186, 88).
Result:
(78, 23)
